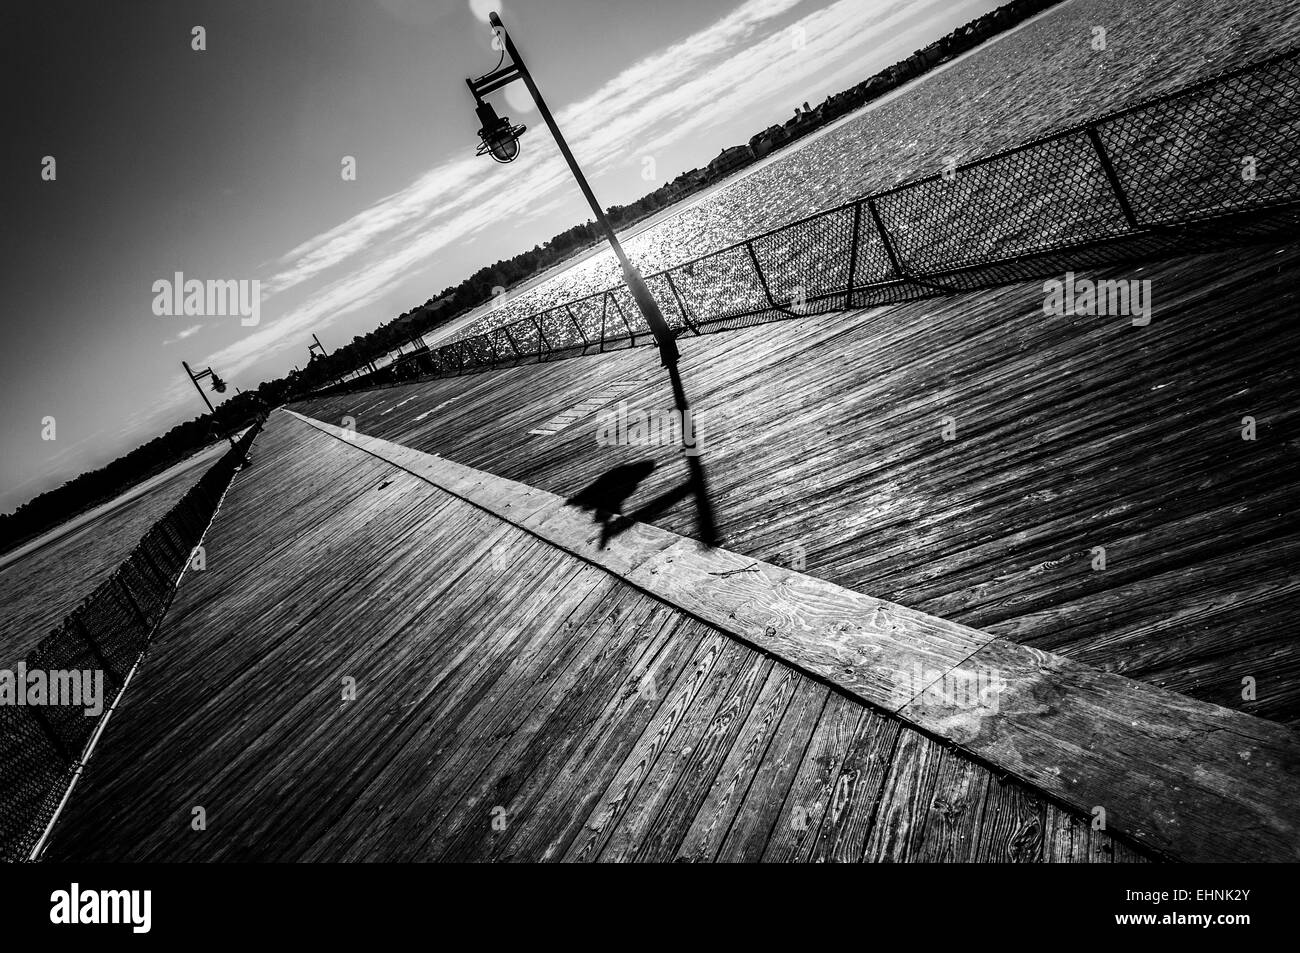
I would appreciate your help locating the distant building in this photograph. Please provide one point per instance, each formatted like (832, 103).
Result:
(803, 119)
(688, 181)
(729, 159)
(767, 140)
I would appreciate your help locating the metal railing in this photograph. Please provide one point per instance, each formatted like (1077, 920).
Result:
(1210, 165)
(41, 746)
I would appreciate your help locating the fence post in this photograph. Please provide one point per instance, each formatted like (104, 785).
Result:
(153, 564)
(762, 280)
(1112, 177)
(621, 316)
(541, 336)
(96, 651)
(576, 326)
(135, 606)
(681, 302)
(853, 253)
(511, 339)
(884, 238)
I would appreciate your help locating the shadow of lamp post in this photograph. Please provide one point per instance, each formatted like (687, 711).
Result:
(499, 139)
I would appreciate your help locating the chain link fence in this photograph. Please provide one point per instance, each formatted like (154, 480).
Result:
(41, 746)
(1213, 165)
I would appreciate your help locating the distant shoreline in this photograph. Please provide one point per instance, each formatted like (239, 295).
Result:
(34, 542)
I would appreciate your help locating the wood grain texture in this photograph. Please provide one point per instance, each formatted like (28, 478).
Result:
(1191, 781)
(822, 443)
(879, 651)
(1081, 736)
(492, 669)
(815, 782)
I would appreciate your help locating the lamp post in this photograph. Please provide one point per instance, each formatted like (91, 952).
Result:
(316, 351)
(501, 140)
(218, 386)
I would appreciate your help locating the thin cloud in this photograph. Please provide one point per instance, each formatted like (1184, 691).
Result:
(181, 335)
(642, 87)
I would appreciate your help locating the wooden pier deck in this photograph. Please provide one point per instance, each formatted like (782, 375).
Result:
(512, 702)
(537, 680)
(822, 443)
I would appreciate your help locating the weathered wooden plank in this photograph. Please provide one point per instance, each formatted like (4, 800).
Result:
(1012, 829)
(1065, 837)
(879, 744)
(554, 820)
(910, 796)
(708, 673)
(1073, 432)
(487, 661)
(948, 828)
(714, 818)
(1190, 780)
(317, 740)
(477, 664)
(698, 765)
(893, 658)
(814, 784)
(730, 680)
(879, 651)
(457, 745)
(218, 681)
(760, 811)
(519, 774)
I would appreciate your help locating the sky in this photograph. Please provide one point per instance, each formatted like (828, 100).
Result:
(227, 164)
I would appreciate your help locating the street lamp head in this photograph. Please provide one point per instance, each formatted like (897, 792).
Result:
(218, 384)
(497, 137)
